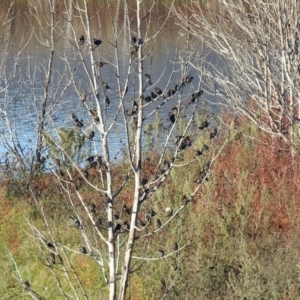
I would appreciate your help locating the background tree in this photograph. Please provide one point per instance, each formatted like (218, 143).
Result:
(256, 74)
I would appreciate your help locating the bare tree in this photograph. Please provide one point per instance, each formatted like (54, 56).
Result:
(255, 70)
(105, 107)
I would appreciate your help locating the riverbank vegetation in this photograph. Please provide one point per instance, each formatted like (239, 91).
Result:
(239, 232)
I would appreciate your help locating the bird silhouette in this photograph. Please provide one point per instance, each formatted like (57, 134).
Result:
(100, 64)
(192, 99)
(107, 101)
(214, 133)
(81, 40)
(172, 117)
(82, 249)
(98, 223)
(86, 174)
(198, 94)
(148, 79)
(175, 247)
(198, 152)
(26, 285)
(148, 99)
(203, 125)
(91, 135)
(158, 223)
(153, 95)
(188, 79)
(133, 39)
(97, 42)
(167, 93)
(158, 90)
(90, 159)
(174, 90)
(106, 86)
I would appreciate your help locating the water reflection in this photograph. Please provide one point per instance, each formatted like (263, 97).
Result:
(22, 99)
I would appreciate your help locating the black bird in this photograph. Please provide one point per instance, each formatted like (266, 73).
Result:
(158, 223)
(167, 93)
(214, 133)
(133, 39)
(148, 99)
(188, 79)
(117, 230)
(153, 95)
(81, 40)
(126, 226)
(90, 159)
(203, 125)
(205, 148)
(161, 253)
(86, 174)
(172, 117)
(100, 64)
(198, 94)
(98, 223)
(198, 152)
(94, 114)
(79, 124)
(126, 210)
(83, 96)
(52, 258)
(144, 181)
(82, 249)
(148, 79)
(97, 42)
(177, 139)
(74, 117)
(107, 102)
(93, 208)
(91, 135)
(124, 91)
(192, 99)
(26, 285)
(185, 200)
(175, 247)
(76, 222)
(174, 91)
(106, 86)
(50, 244)
(158, 90)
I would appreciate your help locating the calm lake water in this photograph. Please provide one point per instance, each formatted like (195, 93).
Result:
(21, 99)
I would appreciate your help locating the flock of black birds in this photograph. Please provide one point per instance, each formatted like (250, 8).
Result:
(96, 161)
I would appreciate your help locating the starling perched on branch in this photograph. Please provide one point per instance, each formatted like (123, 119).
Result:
(214, 133)
(82, 249)
(148, 99)
(192, 99)
(203, 125)
(148, 79)
(167, 93)
(158, 90)
(153, 95)
(97, 42)
(81, 40)
(161, 253)
(172, 117)
(158, 223)
(106, 86)
(91, 135)
(100, 64)
(26, 285)
(174, 90)
(188, 79)
(175, 247)
(133, 39)
(107, 102)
